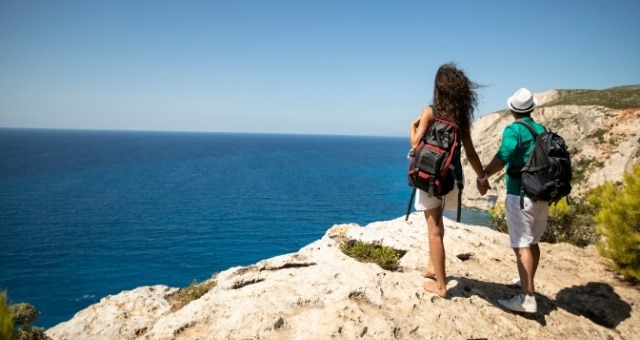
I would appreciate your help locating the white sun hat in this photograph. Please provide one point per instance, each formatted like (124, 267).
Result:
(522, 101)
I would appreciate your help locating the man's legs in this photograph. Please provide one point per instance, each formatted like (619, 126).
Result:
(527, 260)
(535, 254)
(525, 230)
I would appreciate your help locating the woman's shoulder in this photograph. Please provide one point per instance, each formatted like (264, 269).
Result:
(428, 112)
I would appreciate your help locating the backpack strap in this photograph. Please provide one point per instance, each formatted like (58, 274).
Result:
(530, 128)
(515, 172)
(435, 115)
(519, 171)
(459, 178)
(459, 212)
(413, 179)
(413, 195)
(456, 169)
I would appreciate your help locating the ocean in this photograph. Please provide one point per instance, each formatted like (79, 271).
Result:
(86, 214)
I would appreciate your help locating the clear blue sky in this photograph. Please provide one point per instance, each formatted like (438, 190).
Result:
(328, 67)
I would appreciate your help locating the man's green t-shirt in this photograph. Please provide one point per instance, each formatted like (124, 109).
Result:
(517, 144)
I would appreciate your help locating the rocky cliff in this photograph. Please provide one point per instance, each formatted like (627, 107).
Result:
(601, 128)
(320, 293)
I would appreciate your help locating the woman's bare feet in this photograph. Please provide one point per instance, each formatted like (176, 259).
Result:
(432, 287)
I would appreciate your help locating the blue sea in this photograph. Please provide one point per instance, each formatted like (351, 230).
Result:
(86, 214)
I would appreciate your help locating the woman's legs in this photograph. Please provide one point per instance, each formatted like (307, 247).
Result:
(430, 272)
(435, 231)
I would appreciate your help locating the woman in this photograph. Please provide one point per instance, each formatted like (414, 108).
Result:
(454, 99)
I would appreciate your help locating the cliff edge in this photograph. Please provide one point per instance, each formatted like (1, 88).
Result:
(320, 293)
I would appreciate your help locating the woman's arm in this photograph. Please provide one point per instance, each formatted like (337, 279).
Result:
(482, 182)
(472, 156)
(419, 126)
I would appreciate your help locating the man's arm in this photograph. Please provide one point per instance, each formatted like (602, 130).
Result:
(493, 167)
(507, 148)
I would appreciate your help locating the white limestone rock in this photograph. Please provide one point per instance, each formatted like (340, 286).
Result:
(320, 293)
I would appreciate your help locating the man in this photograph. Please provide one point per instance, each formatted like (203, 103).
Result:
(526, 225)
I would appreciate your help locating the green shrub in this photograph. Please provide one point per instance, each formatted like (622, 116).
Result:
(24, 313)
(194, 291)
(7, 330)
(386, 257)
(497, 220)
(560, 217)
(570, 223)
(16, 320)
(618, 222)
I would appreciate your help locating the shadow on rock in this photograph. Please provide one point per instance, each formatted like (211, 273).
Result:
(595, 301)
(492, 292)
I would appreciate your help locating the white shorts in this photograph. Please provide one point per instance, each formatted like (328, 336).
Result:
(527, 225)
(425, 202)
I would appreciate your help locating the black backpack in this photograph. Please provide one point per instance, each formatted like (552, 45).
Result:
(547, 174)
(435, 163)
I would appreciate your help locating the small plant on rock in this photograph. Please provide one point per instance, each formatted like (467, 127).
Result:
(192, 292)
(386, 257)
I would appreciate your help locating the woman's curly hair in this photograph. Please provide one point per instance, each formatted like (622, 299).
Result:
(454, 96)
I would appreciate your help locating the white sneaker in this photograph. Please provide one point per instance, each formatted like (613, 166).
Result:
(520, 303)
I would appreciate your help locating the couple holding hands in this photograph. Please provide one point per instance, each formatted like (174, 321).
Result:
(455, 99)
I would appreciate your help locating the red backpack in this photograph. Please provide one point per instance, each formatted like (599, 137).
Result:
(435, 163)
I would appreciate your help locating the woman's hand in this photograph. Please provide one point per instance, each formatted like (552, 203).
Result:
(483, 186)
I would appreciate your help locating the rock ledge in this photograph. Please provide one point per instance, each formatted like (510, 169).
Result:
(320, 293)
